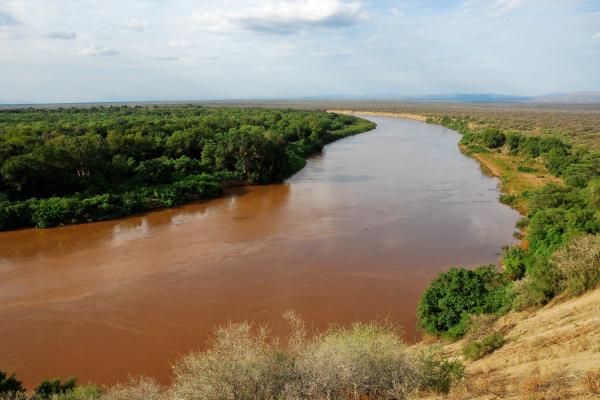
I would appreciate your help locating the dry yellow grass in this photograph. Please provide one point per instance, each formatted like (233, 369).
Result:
(551, 353)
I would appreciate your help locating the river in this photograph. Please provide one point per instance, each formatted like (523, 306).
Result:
(355, 235)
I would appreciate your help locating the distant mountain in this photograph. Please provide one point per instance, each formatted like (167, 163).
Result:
(570, 97)
(471, 97)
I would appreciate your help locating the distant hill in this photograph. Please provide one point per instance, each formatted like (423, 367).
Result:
(570, 97)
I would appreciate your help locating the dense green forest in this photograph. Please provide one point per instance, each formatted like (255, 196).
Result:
(64, 166)
(560, 250)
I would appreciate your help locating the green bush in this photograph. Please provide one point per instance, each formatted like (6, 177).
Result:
(47, 388)
(88, 392)
(451, 296)
(493, 138)
(475, 349)
(475, 148)
(522, 223)
(439, 372)
(9, 386)
(514, 261)
(513, 140)
(523, 168)
(508, 198)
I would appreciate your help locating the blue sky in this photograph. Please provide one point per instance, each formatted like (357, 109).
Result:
(78, 51)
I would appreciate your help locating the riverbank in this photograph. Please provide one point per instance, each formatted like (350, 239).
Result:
(552, 352)
(63, 167)
(415, 117)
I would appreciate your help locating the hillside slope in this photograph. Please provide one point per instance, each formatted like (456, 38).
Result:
(550, 353)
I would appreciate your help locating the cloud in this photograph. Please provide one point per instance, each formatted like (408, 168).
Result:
(17, 5)
(134, 25)
(396, 12)
(168, 58)
(96, 50)
(596, 36)
(503, 6)
(59, 35)
(178, 43)
(283, 18)
(7, 19)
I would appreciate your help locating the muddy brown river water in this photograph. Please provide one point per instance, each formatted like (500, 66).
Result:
(356, 235)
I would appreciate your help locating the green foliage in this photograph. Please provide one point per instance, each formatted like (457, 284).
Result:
(9, 385)
(440, 373)
(452, 295)
(63, 166)
(475, 349)
(88, 392)
(514, 140)
(493, 138)
(47, 389)
(508, 198)
(514, 261)
(523, 168)
(475, 148)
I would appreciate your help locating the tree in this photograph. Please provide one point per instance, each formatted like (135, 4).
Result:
(47, 389)
(9, 385)
(448, 298)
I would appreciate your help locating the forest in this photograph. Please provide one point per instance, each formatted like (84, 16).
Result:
(65, 166)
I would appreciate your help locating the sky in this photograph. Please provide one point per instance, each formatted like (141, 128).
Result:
(55, 51)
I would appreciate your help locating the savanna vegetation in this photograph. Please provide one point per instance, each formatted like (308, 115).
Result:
(560, 249)
(246, 362)
(556, 147)
(65, 166)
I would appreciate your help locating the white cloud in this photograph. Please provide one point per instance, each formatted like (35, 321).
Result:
(134, 25)
(503, 6)
(17, 5)
(178, 43)
(59, 35)
(596, 36)
(96, 50)
(283, 18)
(396, 12)
(7, 19)
(168, 58)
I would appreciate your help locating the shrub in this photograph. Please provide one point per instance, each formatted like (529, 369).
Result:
(241, 362)
(493, 138)
(468, 138)
(475, 349)
(9, 386)
(439, 372)
(89, 392)
(49, 388)
(523, 168)
(444, 305)
(522, 223)
(480, 326)
(513, 140)
(138, 388)
(508, 198)
(475, 148)
(579, 263)
(525, 293)
(366, 359)
(514, 262)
